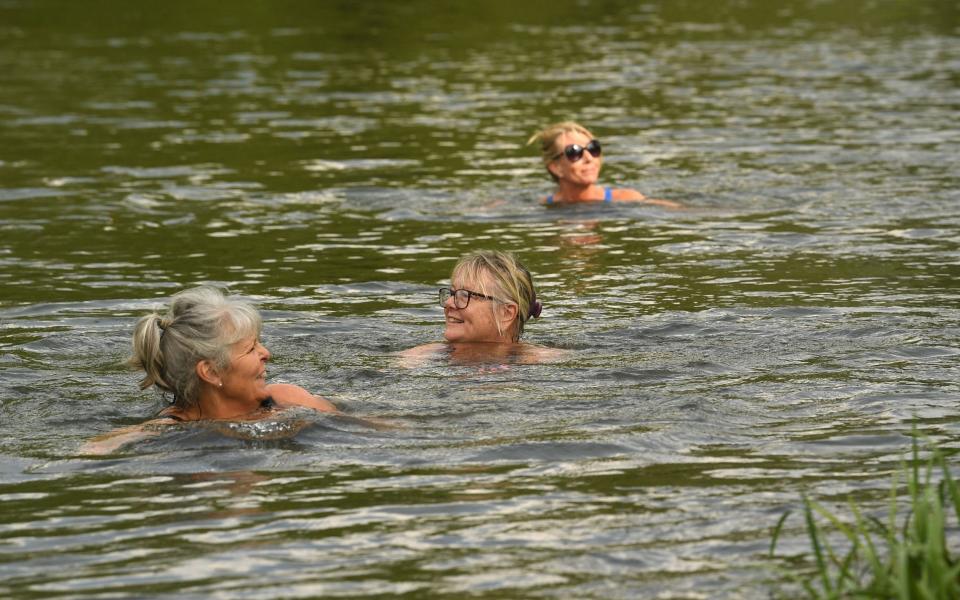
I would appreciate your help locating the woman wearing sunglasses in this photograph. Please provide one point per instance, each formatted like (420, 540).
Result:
(490, 299)
(573, 157)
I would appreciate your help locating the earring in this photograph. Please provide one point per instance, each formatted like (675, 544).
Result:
(220, 384)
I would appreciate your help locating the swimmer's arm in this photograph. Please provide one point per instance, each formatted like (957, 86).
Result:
(631, 195)
(116, 439)
(287, 393)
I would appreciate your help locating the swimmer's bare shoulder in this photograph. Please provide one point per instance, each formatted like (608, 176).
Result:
(418, 355)
(287, 394)
(632, 195)
(533, 354)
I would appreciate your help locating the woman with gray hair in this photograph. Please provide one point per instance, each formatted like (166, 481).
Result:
(572, 157)
(205, 351)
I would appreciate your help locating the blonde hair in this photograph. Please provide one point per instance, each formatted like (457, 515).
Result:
(200, 324)
(511, 281)
(547, 138)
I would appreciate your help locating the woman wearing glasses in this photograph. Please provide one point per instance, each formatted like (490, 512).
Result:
(573, 159)
(490, 299)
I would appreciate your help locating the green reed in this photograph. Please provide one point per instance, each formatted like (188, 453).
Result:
(884, 561)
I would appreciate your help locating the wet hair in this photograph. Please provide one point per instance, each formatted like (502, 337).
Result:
(200, 324)
(511, 282)
(547, 138)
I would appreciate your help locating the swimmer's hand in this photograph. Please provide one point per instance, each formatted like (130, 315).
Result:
(663, 203)
(631, 195)
(116, 439)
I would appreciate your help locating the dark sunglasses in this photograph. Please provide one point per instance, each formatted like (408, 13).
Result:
(574, 152)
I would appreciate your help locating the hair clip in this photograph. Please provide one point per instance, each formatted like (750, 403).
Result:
(535, 309)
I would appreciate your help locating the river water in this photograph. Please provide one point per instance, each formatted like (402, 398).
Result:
(779, 336)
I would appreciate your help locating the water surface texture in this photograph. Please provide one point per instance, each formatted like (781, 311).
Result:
(331, 161)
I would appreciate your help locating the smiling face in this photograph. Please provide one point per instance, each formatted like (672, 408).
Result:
(478, 321)
(245, 379)
(585, 171)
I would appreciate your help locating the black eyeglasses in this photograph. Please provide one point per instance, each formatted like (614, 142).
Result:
(461, 298)
(574, 152)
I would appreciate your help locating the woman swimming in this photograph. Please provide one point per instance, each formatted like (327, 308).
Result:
(206, 353)
(573, 158)
(490, 299)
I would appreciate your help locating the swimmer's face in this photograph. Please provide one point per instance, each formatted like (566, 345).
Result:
(477, 322)
(585, 171)
(246, 377)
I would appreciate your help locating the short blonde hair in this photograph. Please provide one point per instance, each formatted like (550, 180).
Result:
(511, 280)
(201, 324)
(547, 138)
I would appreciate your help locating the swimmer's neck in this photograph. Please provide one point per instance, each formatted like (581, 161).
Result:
(213, 405)
(491, 344)
(572, 192)
(486, 350)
